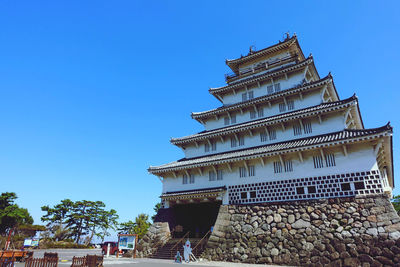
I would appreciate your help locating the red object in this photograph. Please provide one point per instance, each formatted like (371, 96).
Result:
(113, 248)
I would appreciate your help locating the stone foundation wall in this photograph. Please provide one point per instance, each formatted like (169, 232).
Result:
(358, 231)
(157, 235)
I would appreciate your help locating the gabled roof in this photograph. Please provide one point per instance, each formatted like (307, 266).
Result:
(301, 113)
(263, 99)
(264, 75)
(235, 63)
(337, 138)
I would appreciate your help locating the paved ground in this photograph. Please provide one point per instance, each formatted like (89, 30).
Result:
(65, 256)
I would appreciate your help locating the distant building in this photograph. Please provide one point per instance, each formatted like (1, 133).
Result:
(281, 134)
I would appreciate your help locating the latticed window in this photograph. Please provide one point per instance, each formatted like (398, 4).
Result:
(206, 147)
(252, 114)
(282, 107)
(318, 162)
(330, 160)
(290, 105)
(219, 174)
(213, 146)
(288, 166)
(244, 96)
(270, 89)
(277, 167)
(277, 87)
(296, 129)
(252, 170)
(272, 134)
(233, 142)
(211, 176)
(263, 137)
(307, 127)
(260, 112)
(184, 179)
(242, 172)
(191, 179)
(251, 94)
(233, 118)
(226, 120)
(241, 141)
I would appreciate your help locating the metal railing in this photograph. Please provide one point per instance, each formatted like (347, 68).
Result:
(178, 243)
(200, 245)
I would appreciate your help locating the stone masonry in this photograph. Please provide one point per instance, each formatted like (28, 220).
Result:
(157, 235)
(356, 231)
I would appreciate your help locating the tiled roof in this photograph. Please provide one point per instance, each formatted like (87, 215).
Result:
(301, 113)
(234, 63)
(265, 98)
(195, 191)
(262, 76)
(341, 137)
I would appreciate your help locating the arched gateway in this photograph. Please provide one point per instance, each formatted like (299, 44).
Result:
(282, 140)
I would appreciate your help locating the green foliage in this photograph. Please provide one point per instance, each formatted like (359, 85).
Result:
(396, 203)
(139, 227)
(156, 208)
(78, 219)
(11, 215)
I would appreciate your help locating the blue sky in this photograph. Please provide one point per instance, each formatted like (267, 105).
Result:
(92, 91)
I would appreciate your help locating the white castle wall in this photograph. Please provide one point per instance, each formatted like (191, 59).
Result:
(331, 123)
(293, 80)
(360, 157)
(311, 99)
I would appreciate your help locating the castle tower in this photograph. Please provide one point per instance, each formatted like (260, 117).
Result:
(281, 134)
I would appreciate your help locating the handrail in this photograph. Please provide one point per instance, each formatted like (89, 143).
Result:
(161, 240)
(179, 241)
(201, 240)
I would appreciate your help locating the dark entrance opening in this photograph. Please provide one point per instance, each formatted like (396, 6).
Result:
(197, 218)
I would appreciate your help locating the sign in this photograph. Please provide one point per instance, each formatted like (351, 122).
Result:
(127, 242)
(31, 242)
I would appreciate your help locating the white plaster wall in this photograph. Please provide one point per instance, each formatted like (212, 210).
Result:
(308, 100)
(293, 80)
(266, 59)
(330, 123)
(360, 157)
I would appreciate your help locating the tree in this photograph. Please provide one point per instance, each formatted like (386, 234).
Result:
(139, 227)
(11, 215)
(396, 203)
(156, 208)
(108, 221)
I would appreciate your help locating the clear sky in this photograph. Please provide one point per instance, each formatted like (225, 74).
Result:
(92, 91)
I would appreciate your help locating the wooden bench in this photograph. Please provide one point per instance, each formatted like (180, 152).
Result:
(87, 261)
(5, 262)
(41, 262)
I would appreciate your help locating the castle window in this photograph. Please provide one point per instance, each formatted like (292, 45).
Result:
(253, 194)
(345, 186)
(330, 160)
(243, 195)
(206, 147)
(359, 185)
(282, 107)
(300, 190)
(277, 87)
(307, 127)
(213, 146)
(263, 137)
(233, 142)
(318, 162)
(244, 96)
(211, 176)
(184, 179)
(250, 94)
(296, 129)
(252, 170)
(260, 112)
(233, 118)
(290, 105)
(277, 167)
(242, 172)
(219, 174)
(272, 134)
(312, 190)
(270, 89)
(191, 179)
(226, 120)
(252, 114)
(241, 141)
(288, 166)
